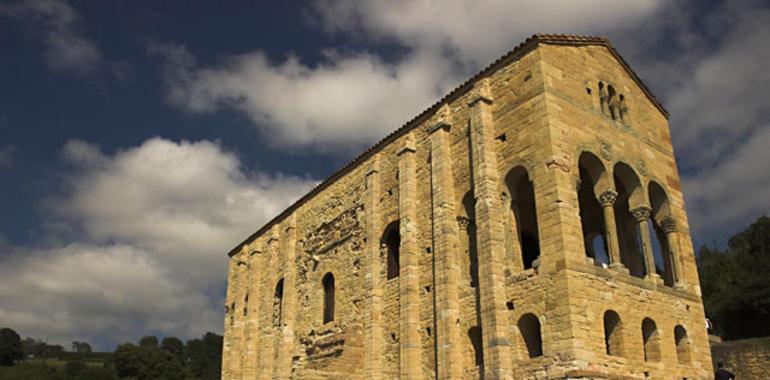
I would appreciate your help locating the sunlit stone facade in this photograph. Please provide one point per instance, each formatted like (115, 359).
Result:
(529, 225)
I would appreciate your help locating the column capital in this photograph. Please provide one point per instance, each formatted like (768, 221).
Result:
(464, 222)
(406, 149)
(479, 99)
(440, 126)
(641, 213)
(607, 197)
(668, 225)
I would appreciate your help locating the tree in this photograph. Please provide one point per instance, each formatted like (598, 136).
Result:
(81, 347)
(173, 345)
(204, 356)
(148, 341)
(10, 347)
(146, 363)
(736, 285)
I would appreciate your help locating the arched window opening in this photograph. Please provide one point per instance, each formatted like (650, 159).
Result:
(630, 195)
(278, 304)
(474, 334)
(232, 313)
(622, 108)
(392, 240)
(613, 333)
(682, 345)
(651, 340)
(524, 212)
(662, 252)
(592, 177)
(246, 305)
(603, 97)
(328, 283)
(468, 222)
(612, 102)
(529, 327)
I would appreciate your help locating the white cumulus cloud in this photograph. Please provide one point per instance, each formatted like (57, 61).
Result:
(145, 233)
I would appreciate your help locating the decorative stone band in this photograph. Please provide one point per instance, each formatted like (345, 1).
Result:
(668, 225)
(641, 213)
(607, 198)
(464, 222)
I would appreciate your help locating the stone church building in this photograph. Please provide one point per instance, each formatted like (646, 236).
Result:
(529, 225)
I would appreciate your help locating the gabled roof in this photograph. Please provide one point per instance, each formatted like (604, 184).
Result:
(514, 54)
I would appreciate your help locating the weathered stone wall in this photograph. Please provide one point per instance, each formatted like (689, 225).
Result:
(494, 276)
(747, 358)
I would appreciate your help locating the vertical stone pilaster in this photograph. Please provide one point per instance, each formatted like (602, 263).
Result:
(410, 351)
(253, 323)
(446, 266)
(228, 331)
(374, 344)
(669, 228)
(607, 201)
(286, 331)
(642, 215)
(267, 351)
(497, 347)
(237, 347)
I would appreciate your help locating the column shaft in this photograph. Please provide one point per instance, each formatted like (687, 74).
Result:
(669, 227)
(446, 266)
(497, 350)
(410, 351)
(374, 344)
(642, 215)
(607, 200)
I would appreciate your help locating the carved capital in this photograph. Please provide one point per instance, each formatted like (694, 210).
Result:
(668, 225)
(641, 213)
(607, 198)
(464, 222)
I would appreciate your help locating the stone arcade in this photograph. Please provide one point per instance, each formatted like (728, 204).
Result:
(529, 225)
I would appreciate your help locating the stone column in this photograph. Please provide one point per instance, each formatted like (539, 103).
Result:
(228, 331)
(489, 234)
(374, 344)
(410, 350)
(267, 349)
(607, 200)
(286, 331)
(669, 228)
(446, 266)
(642, 214)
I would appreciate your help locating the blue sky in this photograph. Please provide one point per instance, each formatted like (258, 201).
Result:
(139, 140)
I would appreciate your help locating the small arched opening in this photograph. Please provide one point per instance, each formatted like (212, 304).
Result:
(474, 335)
(278, 303)
(467, 222)
(682, 344)
(651, 339)
(392, 240)
(613, 333)
(529, 327)
(328, 284)
(524, 214)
